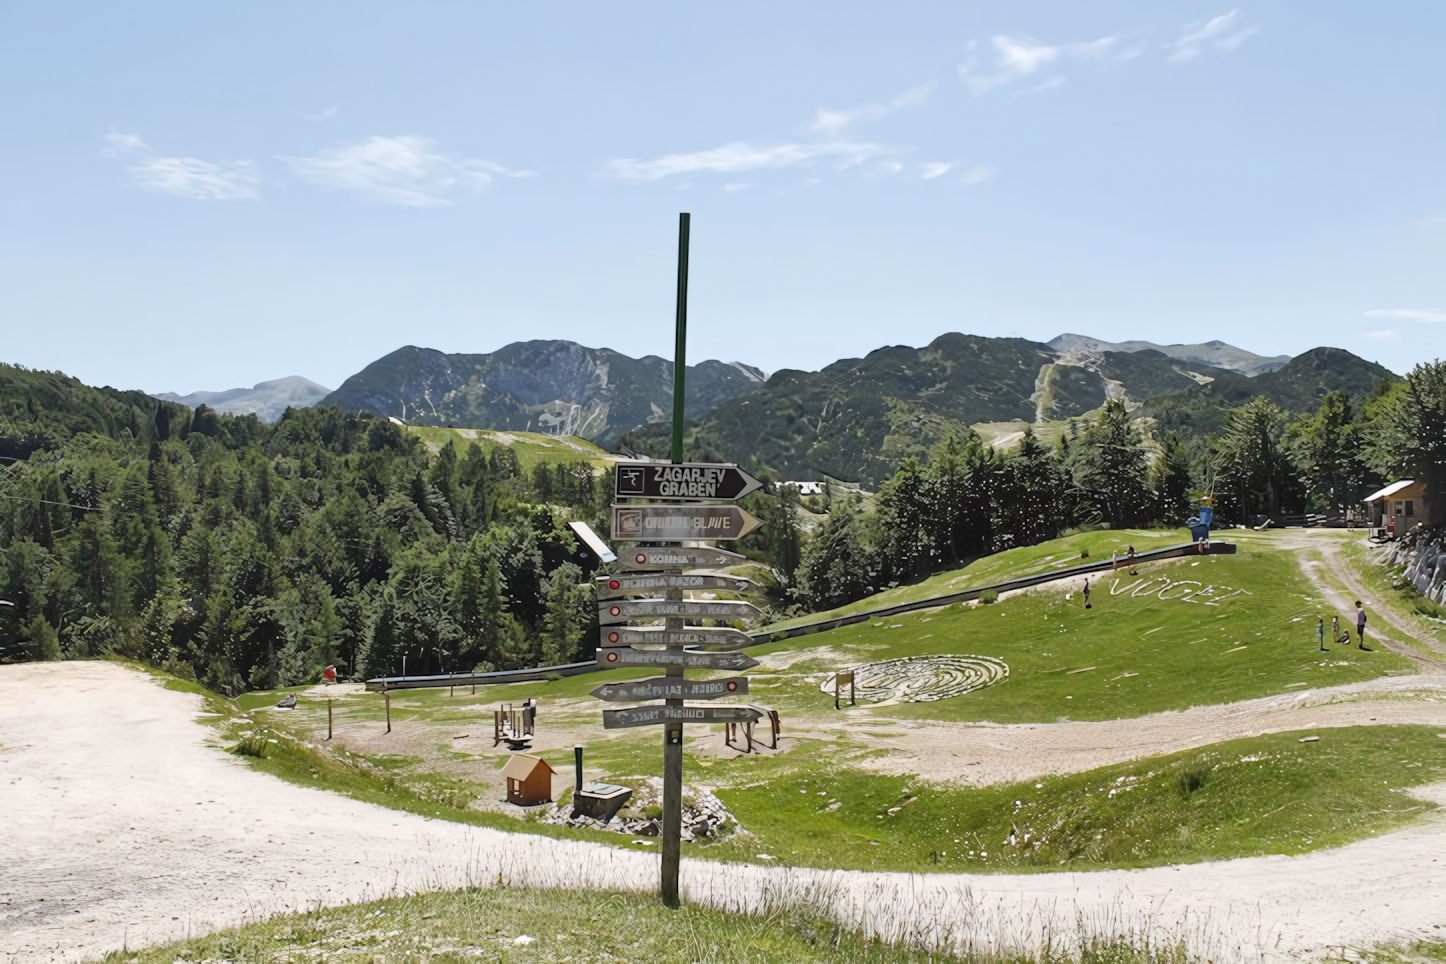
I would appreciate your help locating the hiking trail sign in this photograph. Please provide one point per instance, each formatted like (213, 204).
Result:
(678, 523)
(702, 638)
(684, 482)
(672, 688)
(681, 658)
(684, 557)
(682, 504)
(646, 715)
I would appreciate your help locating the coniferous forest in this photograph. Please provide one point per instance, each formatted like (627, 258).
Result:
(250, 555)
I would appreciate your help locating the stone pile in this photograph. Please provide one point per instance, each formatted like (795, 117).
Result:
(704, 815)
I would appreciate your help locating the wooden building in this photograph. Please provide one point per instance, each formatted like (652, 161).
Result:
(529, 780)
(1399, 507)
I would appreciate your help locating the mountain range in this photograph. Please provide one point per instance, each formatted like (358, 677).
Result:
(857, 418)
(559, 387)
(266, 400)
(1213, 354)
(854, 419)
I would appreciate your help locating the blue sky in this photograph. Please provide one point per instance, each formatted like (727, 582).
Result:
(201, 196)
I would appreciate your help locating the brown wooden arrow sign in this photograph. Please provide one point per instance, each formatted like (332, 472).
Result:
(610, 658)
(622, 583)
(678, 523)
(672, 688)
(710, 639)
(621, 610)
(679, 557)
(646, 715)
(682, 481)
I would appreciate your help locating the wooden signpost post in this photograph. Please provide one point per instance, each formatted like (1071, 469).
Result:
(687, 502)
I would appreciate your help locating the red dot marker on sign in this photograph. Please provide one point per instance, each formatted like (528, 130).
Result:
(615, 610)
(732, 687)
(642, 558)
(612, 657)
(614, 584)
(612, 637)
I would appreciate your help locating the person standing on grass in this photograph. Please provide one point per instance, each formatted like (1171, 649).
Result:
(1361, 624)
(1087, 592)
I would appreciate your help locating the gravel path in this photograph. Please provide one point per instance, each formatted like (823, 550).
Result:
(125, 827)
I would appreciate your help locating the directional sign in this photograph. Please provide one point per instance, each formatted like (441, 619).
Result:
(608, 586)
(621, 610)
(672, 688)
(645, 715)
(707, 640)
(682, 557)
(678, 523)
(608, 658)
(686, 481)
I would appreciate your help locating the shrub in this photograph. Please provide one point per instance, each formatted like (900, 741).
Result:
(988, 596)
(1188, 781)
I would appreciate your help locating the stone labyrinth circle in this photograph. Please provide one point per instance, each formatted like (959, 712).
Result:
(922, 679)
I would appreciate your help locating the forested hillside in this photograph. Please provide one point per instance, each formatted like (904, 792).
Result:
(253, 555)
(40, 409)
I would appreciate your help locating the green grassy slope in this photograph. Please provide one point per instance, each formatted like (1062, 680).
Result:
(1264, 795)
(1133, 653)
(531, 447)
(522, 926)
(1011, 564)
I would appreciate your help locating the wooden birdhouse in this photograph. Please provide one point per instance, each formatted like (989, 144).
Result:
(529, 780)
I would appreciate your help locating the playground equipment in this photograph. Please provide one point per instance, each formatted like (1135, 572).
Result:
(529, 780)
(514, 726)
(840, 680)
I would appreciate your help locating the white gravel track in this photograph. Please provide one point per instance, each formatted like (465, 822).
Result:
(126, 827)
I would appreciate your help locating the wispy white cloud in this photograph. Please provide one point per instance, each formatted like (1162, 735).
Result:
(400, 170)
(832, 122)
(187, 177)
(1224, 33)
(979, 174)
(740, 157)
(1016, 58)
(936, 169)
(1408, 314)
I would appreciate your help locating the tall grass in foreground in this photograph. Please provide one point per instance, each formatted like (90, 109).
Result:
(587, 927)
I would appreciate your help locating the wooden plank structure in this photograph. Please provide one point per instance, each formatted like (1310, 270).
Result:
(740, 735)
(839, 679)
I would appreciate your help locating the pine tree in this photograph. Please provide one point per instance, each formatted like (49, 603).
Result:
(1170, 480)
(1110, 464)
(1251, 461)
(565, 621)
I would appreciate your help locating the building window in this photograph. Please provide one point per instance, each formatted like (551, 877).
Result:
(1410, 507)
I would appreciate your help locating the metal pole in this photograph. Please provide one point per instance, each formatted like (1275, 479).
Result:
(673, 732)
(328, 720)
(387, 695)
(680, 362)
(577, 759)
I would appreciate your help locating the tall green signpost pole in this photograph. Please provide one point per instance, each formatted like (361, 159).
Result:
(673, 732)
(673, 512)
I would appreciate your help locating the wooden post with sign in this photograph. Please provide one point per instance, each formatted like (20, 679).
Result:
(686, 504)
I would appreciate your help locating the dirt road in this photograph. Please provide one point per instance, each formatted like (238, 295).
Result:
(126, 827)
(985, 753)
